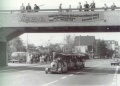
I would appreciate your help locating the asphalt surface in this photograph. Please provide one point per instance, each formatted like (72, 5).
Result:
(97, 72)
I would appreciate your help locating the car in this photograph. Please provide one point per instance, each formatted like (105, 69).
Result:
(14, 60)
(115, 62)
(18, 57)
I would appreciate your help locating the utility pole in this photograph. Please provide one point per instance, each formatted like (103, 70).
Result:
(27, 58)
(27, 43)
(92, 51)
(79, 45)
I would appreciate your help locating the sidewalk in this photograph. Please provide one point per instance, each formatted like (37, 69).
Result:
(20, 66)
(29, 65)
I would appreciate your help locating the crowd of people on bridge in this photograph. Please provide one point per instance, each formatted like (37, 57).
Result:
(86, 7)
(29, 8)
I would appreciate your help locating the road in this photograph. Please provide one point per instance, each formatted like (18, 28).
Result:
(97, 72)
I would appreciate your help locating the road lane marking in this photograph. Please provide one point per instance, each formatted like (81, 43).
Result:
(71, 75)
(114, 82)
(117, 70)
(63, 77)
(50, 83)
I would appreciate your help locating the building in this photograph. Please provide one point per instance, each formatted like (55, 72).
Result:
(112, 45)
(84, 44)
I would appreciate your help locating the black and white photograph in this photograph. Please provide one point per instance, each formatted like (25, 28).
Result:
(59, 43)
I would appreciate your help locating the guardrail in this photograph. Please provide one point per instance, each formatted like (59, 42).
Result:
(61, 10)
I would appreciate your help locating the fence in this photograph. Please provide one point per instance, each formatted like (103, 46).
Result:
(63, 10)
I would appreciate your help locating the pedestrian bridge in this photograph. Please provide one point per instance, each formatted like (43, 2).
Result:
(14, 23)
(54, 18)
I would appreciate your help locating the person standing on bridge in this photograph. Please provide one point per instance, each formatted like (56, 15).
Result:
(70, 8)
(36, 8)
(92, 6)
(60, 8)
(22, 8)
(79, 6)
(105, 7)
(113, 6)
(28, 8)
(86, 6)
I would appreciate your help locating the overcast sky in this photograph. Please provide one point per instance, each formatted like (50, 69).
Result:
(46, 38)
(50, 4)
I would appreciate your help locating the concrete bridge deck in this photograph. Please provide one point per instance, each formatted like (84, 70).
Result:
(54, 18)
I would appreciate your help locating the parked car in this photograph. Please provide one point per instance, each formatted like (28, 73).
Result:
(18, 57)
(115, 62)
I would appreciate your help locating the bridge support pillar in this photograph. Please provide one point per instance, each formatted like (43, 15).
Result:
(3, 54)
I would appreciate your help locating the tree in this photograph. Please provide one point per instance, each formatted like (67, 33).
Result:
(69, 39)
(50, 49)
(15, 45)
(55, 48)
(101, 49)
(110, 53)
(69, 43)
(31, 47)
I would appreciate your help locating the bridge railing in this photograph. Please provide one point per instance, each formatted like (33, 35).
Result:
(60, 10)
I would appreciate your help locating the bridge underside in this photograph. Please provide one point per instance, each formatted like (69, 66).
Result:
(68, 29)
(7, 34)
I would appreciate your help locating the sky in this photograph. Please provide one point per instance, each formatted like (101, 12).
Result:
(52, 4)
(45, 39)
